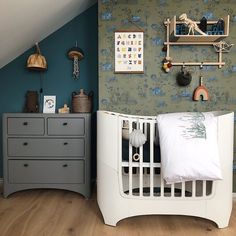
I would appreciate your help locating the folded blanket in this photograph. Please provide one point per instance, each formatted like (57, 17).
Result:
(189, 149)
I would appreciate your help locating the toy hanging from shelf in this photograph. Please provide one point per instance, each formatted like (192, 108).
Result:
(184, 77)
(201, 92)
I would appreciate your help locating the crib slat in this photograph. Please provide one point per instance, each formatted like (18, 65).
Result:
(193, 188)
(162, 185)
(204, 188)
(141, 164)
(183, 190)
(172, 190)
(151, 157)
(130, 163)
(120, 126)
(145, 129)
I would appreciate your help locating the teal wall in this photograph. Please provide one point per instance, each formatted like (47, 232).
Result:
(15, 79)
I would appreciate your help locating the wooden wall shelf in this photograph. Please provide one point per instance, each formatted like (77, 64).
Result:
(197, 38)
(174, 39)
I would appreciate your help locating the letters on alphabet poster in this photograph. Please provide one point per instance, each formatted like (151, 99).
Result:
(129, 52)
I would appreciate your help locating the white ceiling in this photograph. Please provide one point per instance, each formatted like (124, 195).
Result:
(25, 22)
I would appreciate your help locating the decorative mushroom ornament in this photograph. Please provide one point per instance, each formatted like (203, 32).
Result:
(76, 54)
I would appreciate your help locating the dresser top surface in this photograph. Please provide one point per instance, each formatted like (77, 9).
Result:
(47, 115)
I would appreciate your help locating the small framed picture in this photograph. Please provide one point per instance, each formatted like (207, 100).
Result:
(49, 104)
(129, 52)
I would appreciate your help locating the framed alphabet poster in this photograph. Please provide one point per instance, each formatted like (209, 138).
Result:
(129, 52)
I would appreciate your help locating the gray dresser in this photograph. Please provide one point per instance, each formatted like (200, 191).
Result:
(46, 151)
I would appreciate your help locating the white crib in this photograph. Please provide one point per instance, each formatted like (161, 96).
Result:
(127, 188)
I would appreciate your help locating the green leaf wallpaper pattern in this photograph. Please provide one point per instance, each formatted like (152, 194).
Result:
(156, 91)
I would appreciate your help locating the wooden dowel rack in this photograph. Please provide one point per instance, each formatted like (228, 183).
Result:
(219, 64)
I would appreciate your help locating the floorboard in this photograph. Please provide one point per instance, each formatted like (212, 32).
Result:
(64, 213)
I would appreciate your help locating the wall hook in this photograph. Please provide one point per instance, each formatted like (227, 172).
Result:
(201, 66)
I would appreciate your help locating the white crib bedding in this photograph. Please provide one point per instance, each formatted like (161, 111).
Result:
(189, 149)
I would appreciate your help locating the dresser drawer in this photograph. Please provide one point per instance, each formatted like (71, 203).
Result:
(44, 147)
(42, 172)
(25, 126)
(66, 126)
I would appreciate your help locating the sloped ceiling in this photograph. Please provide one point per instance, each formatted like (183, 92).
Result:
(25, 22)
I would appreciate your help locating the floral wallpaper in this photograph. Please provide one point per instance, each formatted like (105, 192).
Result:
(156, 91)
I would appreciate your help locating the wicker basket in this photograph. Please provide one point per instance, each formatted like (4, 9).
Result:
(81, 103)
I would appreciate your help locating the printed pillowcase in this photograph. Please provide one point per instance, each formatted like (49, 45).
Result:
(189, 149)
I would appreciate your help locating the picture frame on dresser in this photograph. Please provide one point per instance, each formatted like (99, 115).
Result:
(49, 104)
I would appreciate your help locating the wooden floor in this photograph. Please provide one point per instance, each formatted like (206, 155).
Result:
(64, 213)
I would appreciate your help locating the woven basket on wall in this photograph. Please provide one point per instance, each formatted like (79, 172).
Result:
(81, 103)
(37, 61)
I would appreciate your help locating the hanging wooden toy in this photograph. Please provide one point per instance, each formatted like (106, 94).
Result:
(137, 138)
(201, 92)
(167, 64)
(76, 54)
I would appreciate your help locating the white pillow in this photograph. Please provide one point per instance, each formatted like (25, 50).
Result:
(189, 149)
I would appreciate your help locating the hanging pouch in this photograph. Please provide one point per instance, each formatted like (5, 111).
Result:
(183, 78)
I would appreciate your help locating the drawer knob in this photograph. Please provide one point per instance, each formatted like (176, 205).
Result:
(25, 143)
(25, 123)
(65, 143)
(65, 123)
(65, 165)
(26, 165)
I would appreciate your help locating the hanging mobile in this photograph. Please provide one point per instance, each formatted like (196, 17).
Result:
(137, 138)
